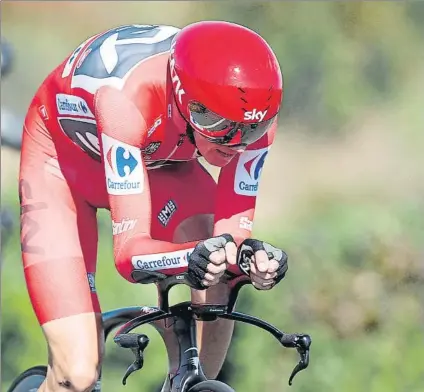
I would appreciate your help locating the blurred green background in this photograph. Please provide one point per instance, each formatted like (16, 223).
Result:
(342, 192)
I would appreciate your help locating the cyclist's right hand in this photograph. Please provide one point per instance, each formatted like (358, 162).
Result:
(210, 259)
(265, 264)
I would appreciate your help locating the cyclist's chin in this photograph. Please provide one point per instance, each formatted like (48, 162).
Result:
(214, 154)
(217, 157)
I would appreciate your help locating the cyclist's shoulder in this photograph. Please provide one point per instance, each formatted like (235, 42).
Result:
(110, 58)
(147, 81)
(129, 57)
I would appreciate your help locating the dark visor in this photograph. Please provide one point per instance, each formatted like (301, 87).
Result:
(222, 131)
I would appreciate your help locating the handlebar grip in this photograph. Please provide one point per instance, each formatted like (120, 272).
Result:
(289, 340)
(132, 340)
(301, 342)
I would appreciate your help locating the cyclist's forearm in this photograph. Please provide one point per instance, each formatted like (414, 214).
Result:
(141, 252)
(239, 225)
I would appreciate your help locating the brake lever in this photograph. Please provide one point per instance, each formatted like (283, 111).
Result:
(302, 344)
(137, 343)
(136, 365)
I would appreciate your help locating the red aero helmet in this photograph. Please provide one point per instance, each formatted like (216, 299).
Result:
(228, 72)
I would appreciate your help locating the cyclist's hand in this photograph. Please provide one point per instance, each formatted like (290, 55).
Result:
(265, 264)
(210, 259)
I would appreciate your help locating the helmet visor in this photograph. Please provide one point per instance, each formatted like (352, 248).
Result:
(223, 131)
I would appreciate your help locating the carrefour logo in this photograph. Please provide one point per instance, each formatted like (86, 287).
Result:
(71, 104)
(254, 166)
(123, 167)
(162, 261)
(125, 163)
(248, 171)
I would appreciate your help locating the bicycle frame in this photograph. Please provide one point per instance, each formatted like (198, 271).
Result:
(184, 316)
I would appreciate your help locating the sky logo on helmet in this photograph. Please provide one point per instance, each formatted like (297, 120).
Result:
(123, 168)
(248, 171)
(179, 92)
(255, 115)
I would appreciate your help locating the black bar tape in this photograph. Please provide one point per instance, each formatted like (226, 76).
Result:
(128, 340)
(244, 258)
(289, 340)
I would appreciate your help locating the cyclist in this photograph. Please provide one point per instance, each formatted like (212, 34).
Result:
(121, 125)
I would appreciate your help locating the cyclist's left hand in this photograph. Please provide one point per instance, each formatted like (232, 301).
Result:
(265, 264)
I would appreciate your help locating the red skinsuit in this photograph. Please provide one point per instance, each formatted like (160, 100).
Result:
(103, 113)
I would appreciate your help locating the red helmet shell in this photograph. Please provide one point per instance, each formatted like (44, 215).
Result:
(228, 68)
